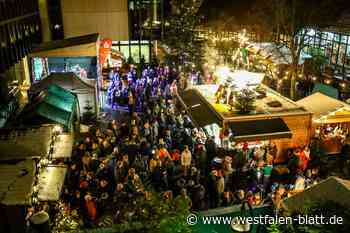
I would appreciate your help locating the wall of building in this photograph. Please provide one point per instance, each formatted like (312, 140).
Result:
(108, 17)
(45, 21)
(300, 127)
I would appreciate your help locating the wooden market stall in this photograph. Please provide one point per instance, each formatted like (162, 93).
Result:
(28, 174)
(330, 121)
(276, 119)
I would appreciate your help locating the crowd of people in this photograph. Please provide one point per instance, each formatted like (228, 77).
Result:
(157, 148)
(135, 90)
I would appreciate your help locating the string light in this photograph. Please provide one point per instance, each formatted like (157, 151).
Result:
(43, 163)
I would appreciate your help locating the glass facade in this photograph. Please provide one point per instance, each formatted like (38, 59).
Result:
(334, 46)
(83, 67)
(135, 49)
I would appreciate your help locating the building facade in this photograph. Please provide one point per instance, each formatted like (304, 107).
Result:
(20, 31)
(109, 18)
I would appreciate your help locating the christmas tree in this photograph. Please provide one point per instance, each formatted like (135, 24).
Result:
(245, 101)
(184, 47)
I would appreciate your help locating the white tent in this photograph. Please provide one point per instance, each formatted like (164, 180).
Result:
(326, 109)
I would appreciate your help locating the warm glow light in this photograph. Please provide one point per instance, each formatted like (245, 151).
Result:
(57, 129)
(223, 72)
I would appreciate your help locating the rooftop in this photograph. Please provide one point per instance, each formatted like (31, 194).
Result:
(273, 104)
(16, 182)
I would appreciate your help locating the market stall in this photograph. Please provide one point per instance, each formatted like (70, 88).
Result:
(54, 105)
(16, 182)
(330, 122)
(76, 54)
(84, 89)
(28, 175)
(275, 120)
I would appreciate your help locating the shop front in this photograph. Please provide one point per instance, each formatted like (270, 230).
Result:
(78, 55)
(330, 122)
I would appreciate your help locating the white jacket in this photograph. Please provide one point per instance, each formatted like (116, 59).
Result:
(186, 158)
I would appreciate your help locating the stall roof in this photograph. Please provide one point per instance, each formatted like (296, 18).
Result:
(201, 113)
(264, 107)
(51, 182)
(68, 81)
(71, 47)
(323, 106)
(55, 104)
(63, 146)
(332, 189)
(19, 143)
(16, 182)
(260, 130)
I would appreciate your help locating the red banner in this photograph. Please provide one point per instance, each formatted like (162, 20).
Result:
(105, 49)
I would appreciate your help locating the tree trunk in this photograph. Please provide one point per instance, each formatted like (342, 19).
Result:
(293, 81)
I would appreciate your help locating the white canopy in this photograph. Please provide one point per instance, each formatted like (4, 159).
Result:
(322, 105)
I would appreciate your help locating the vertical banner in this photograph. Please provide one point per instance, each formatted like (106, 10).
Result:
(105, 49)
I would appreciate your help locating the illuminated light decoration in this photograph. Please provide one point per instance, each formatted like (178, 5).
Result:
(328, 81)
(343, 85)
(57, 129)
(314, 78)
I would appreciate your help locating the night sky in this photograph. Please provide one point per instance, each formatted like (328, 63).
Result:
(221, 9)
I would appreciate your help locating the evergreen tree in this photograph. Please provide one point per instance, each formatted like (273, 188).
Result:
(245, 101)
(130, 60)
(88, 115)
(155, 215)
(185, 48)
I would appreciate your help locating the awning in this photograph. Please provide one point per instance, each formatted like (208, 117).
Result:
(199, 110)
(54, 104)
(260, 130)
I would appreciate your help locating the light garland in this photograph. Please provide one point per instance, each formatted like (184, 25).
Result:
(43, 163)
